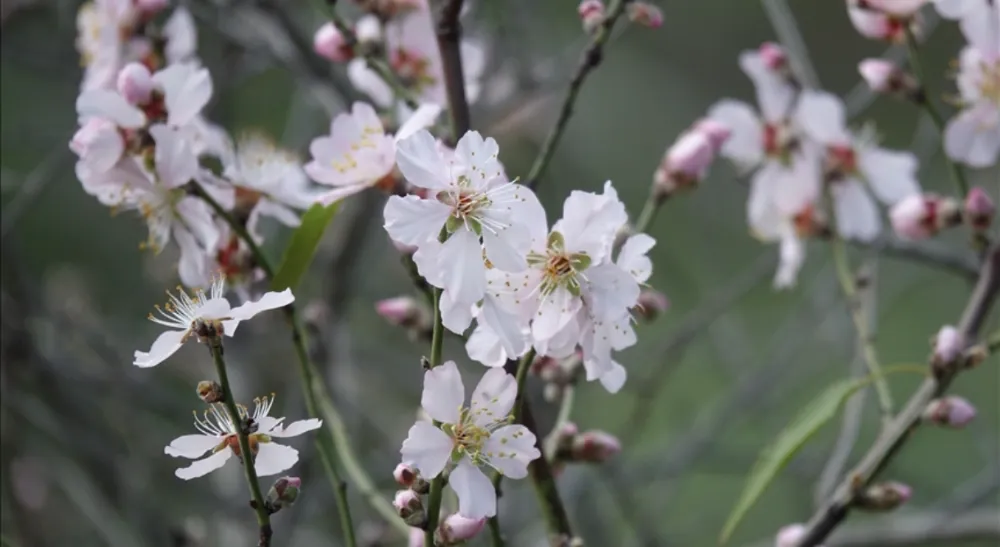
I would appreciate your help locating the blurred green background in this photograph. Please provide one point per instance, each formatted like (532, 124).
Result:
(711, 382)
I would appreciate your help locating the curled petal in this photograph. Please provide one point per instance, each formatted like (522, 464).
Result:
(203, 467)
(165, 345)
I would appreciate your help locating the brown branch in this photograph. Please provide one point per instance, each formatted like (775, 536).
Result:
(898, 430)
(449, 34)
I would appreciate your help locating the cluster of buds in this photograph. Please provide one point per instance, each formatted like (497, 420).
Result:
(409, 505)
(687, 161)
(883, 496)
(558, 374)
(569, 445)
(886, 20)
(283, 493)
(886, 78)
(409, 313)
(953, 412)
(922, 216)
(209, 391)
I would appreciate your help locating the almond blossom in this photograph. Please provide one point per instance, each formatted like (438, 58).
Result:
(882, 20)
(218, 434)
(855, 166)
(470, 436)
(475, 219)
(194, 315)
(358, 154)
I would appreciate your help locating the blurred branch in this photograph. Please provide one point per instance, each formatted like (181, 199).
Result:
(899, 429)
(449, 33)
(961, 264)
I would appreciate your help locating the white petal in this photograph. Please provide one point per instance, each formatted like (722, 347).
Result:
(465, 275)
(269, 301)
(822, 117)
(507, 248)
(763, 215)
(774, 94)
(494, 397)
(507, 327)
(104, 103)
(554, 311)
(632, 257)
(411, 220)
(427, 448)
(193, 265)
(200, 220)
(191, 446)
(444, 393)
(163, 347)
(484, 347)
(422, 118)
(791, 256)
(421, 163)
(611, 291)
(510, 449)
(973, 135)
(476, 495)
(369, 82)
(203, 467)
(479, 157)
(745, 145)
(187, 88)
(857, 216)
(891, 175)
(273, 458)
(456, 315)
(295, 429)
(176, 163)
(614, 379)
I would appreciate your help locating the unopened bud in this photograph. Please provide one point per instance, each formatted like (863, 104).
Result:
(651, 304)
(594, 447)
(886, 78)
(790, 536)
(405, 311)
(975, 355)
(456, 528)
(283, 493)
(416, 538)
(921, 216)
(591, 14)
(409, 507)
(209, 391)
(645, 14)
(979, 209)
(774, 56)
(884, 496)
(135, 83)
(949, 343)
(878, 25)
(329, 43)
(404, 475)
(954, 412)
(368, 29)
(687, 161)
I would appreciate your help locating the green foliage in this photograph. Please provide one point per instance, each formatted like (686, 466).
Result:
(302, 247)
(774, 458)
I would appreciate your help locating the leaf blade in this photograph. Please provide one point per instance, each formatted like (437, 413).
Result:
(302, 247)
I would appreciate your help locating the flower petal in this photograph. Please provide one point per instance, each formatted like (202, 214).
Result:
(614, 379)
(444, 393)
(509, 450)
(465, 275)
(269, 301)
(494, 397)
(273, 458)
(745, 145)
(295, 429)
(104, 103)
(484, 347)
(476, 495)
(420, 162)
(163, 347)
(191, 446)
(427, 448)
(554, 311)
(632, 257)
(422, 118)
(857, 216)
(822, 117)
(411, 220)
(891, 175)
(203, 467)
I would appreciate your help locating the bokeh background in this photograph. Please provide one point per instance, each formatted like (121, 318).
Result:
(711, 382)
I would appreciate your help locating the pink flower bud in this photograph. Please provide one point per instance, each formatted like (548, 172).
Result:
(922, 216)
(773, 56)
(135, 83)
(408, 506)
(716, 132)
(150, 7)
(404, 475)
(457, 528)
(594, 447)
(651, 304)
(884, 496)
(885, 77)
(331, 44)
(953, 411)
(878, 25)
(403, 311)
(283, 493)
(647, 15)
(790, 535)
(948, 347)
(979, 209)
(687, 161)
(591, 14)
(416, 538)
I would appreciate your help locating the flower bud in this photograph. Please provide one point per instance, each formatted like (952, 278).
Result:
(923, 215)
(774, 56)
(209, 391)
(878, 25)
(884, 496)
(404, 475)
(283, 493)
(150, 7)
(651, 304)
(979, 209)
(954, 412)
(949, 344)
(645, 14)
(685, 163)
(591, 14)
(135, 83)
(409, 507)
(368, 29)
(456, 528)
(790, 535)
(594, 447)
(885, 77)
(405, 311)
(331, 44)
(716, 132)
(416, 538)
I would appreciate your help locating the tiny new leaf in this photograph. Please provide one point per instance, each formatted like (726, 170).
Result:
(299, 253)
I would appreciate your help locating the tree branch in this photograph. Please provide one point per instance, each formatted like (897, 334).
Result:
(449, 34)
(898, 430)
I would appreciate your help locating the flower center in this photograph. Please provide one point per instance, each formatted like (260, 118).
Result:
(990, 84)
(559, 267)
(413, 68)
(841, 160)
(469, 436)
(779, 141)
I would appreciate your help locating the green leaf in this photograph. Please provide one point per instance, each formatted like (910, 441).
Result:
(302, 247)
(774, 458)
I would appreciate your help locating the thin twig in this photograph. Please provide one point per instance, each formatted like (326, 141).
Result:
(449, 34)
(437, 484)
(899, 429)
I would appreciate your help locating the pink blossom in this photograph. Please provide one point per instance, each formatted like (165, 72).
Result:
(457, 528)
(591, 14)
(885, 77)
(404, 475)
(595, 447)
(331, 44)
(979, 209)
(955, 412)
(135, 83)
(948, 346)
(645, 14)
(773, 56)
(920, 216)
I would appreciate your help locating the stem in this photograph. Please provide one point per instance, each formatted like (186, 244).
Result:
(437, 484)
(588, 61)
(318, 402)
(648, 214)
(521, 377)
(496, 539)
(247, 457)
(866, 338)
(565, 410)
(957, 175)
(449, 33)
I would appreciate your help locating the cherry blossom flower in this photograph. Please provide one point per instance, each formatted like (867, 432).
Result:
(358, 154)
(218, 434)
(99, 40)
(853, 161)
(186, 314)
(883, 24)
(973, 135)
(328, 42)
(469, 437)
(484, 219)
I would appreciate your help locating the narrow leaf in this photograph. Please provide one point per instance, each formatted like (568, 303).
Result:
(774, 458)
(302, 247)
